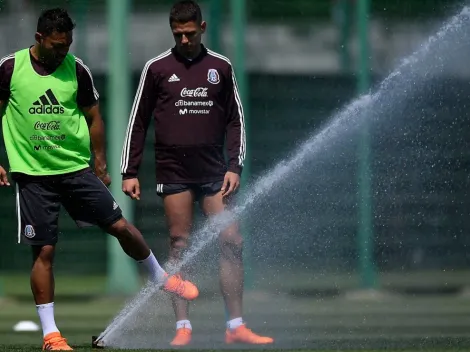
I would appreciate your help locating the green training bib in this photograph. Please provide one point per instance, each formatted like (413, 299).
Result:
(44, 130)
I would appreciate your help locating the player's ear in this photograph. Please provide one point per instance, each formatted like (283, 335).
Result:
(203, 26)
(38, 37)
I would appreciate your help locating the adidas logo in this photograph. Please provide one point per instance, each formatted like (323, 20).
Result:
(46, 104)
(173, 78)
(115, 206)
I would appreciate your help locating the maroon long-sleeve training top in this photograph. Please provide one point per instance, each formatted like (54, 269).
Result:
(196, 109)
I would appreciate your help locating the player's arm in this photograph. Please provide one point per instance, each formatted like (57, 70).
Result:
(6, 71)
(87, 99)
(235, 135)
(3, 173)
(139, 120)
(98, 142)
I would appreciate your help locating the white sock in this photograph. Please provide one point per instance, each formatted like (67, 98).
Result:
(46, 316)
(234, 323)
(156, 272)
(183, 324)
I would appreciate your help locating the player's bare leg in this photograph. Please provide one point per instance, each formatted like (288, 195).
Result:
(42, 276)
(231, 261)
(42, 287)
(179, 217)
(134, 245)
(231, 274)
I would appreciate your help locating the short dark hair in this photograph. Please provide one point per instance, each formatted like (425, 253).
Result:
(55, 20)
(185, 11)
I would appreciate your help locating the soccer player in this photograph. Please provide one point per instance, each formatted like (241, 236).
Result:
(50, 115)
(192, 95)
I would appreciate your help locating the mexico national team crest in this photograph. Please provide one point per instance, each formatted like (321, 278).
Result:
(213, 76)
(29, 231)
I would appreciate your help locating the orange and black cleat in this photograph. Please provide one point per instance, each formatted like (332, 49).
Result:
(55, 342)
(182, 288)
(182, 337)
(244, 335)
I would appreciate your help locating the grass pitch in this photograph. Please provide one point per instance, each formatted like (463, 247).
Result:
(398, 323)
(85, 349)
(432, 324)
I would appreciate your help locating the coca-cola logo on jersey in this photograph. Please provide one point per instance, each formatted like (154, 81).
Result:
(199, 92)
(47, 126)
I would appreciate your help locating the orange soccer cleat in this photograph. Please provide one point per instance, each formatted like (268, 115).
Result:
(244, 335)
(182, 288)
(182, 337)
(55, 342)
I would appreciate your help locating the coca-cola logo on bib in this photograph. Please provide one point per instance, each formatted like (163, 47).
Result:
(199, 92)
(47, 126)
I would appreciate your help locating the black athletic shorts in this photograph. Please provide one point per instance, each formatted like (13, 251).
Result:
(39, 198)
(200, 189)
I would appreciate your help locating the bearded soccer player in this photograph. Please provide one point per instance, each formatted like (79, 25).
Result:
(192, 95)
(50, 114)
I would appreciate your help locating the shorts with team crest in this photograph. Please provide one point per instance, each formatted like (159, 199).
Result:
(39, 199)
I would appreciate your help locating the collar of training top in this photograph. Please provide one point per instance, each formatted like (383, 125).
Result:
(48, 69)
(181, 58)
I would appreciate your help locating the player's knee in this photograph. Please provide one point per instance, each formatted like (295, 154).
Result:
(120, 229)
(178, 240)
(231, 245)
(232, 237)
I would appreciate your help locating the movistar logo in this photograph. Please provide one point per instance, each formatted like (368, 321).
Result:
(46, 104)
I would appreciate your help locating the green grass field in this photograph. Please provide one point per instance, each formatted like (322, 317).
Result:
(378, 323)
(85, 349)
(330, 325)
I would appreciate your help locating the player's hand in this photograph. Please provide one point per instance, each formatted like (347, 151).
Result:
(3, 177)
(131, 187)
(231, 183)
(102, 172)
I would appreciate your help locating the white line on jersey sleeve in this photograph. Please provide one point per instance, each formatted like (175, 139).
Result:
(242, 153)
(127, 142)
(6, 58)
(81, 63)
